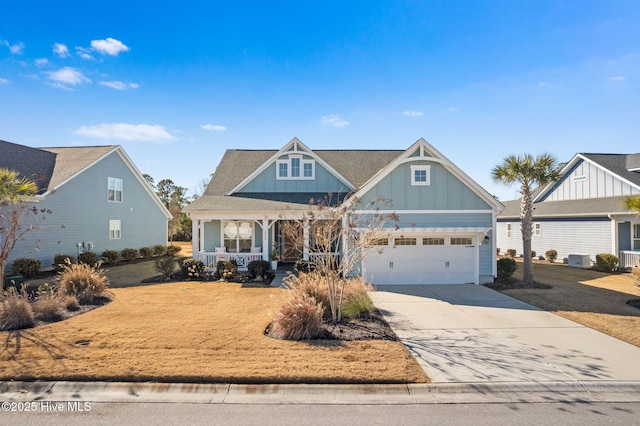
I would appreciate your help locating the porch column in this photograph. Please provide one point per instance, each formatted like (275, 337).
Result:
(265, 239)
(305, 237)
(195, 237)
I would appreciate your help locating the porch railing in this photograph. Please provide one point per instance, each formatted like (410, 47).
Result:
(211, 259)
(629, 259)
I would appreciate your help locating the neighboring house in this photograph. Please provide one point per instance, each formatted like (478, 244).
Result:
(97, 197)
(446, 220)
(583, 212)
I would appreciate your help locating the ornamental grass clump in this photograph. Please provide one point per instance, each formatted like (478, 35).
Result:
(47, 307)
(15, 310)
(313, 285)
(299, 318)
(85, 282)
(356, 302)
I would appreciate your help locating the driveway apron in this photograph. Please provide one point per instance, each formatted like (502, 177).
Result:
(472, 334)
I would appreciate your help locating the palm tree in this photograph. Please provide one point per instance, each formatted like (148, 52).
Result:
(633, 204)
(14, 190)
(530, 173)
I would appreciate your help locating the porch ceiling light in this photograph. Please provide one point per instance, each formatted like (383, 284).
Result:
(245, 230)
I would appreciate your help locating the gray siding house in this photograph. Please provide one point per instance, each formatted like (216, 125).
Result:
(445, 232)
(583, 212)
(97, 197)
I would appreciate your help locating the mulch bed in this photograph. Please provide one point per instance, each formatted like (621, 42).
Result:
(516, 285)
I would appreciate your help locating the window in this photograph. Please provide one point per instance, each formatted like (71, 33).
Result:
(114, 230)
(295, 167)
(461, 241)
(636, 236)
(433, 241)
(114, 190)
(238, 237)
(420, 175)
(537, 230)
(403, 241)
(508, 230)
(380, 242)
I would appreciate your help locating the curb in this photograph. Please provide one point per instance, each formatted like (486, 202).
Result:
(433, 393)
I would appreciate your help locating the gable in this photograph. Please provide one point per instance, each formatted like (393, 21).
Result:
(423, 179)
(584, 179)
(444, 192)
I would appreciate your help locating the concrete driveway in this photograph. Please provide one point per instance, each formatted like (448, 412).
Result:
(472, 334)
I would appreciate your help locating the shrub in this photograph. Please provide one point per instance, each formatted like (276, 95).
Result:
(166, 266)
(299, 317)
(192, 269)
(606, 262)
(26, 267)
(111, 256)
(173, 250)
(159, 250)
(506, 267)
(533, 254)
(258, 268)
(59, 260)
(511, 252)
(551, 255)
(15, 311)
(497, 251)
(129, 254)
(313, 285)
(356, 302)
(70, 303)
(47, 307)
(88, 258)
(83, 281)
(146, 252)
(227, 269)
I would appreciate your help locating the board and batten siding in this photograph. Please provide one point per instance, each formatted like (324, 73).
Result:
(323, 182)
(81, 213)
(445, 191)
(587, 180)
(565, 236)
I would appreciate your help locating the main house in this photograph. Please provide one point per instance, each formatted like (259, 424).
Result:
(583, 212)
(97, 197)
(445, 227)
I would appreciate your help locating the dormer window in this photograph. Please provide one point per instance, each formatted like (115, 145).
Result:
(295, 167)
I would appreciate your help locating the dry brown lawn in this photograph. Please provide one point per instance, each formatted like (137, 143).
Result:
(194, 332)
(594, 299)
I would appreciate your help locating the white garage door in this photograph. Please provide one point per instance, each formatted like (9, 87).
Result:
(422, 260)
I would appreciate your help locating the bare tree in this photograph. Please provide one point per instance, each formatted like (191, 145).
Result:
(335, 240)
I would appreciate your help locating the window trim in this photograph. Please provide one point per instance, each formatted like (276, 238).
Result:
(115, 229)
(420, 167)
(237, 237)
(112, 186)
(301, 168)
(508, 230)
(537, 231)
(635, 240)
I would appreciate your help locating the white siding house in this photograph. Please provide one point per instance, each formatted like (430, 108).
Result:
(583, 212)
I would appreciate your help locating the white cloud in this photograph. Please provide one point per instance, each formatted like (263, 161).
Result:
(66, 77)
(84, 53)
(452, 109)
(126, 132)
(4, 81)
(109, 46)
(42, 62)
(16, 48)
(334, 120)
(61, 50)
(413, 113)
(213, 127)
(616, 78)
(543, 84)
(119, 85)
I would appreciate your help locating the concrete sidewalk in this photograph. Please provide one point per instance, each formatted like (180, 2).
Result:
(472, 334)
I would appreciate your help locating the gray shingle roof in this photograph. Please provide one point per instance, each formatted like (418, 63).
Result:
(619, 164)
(49, 167)
(586, 207)
(357, 166)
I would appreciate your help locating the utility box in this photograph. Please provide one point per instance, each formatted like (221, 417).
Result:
(579, 261)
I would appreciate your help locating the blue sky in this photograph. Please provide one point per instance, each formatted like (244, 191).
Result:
(177, 83)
